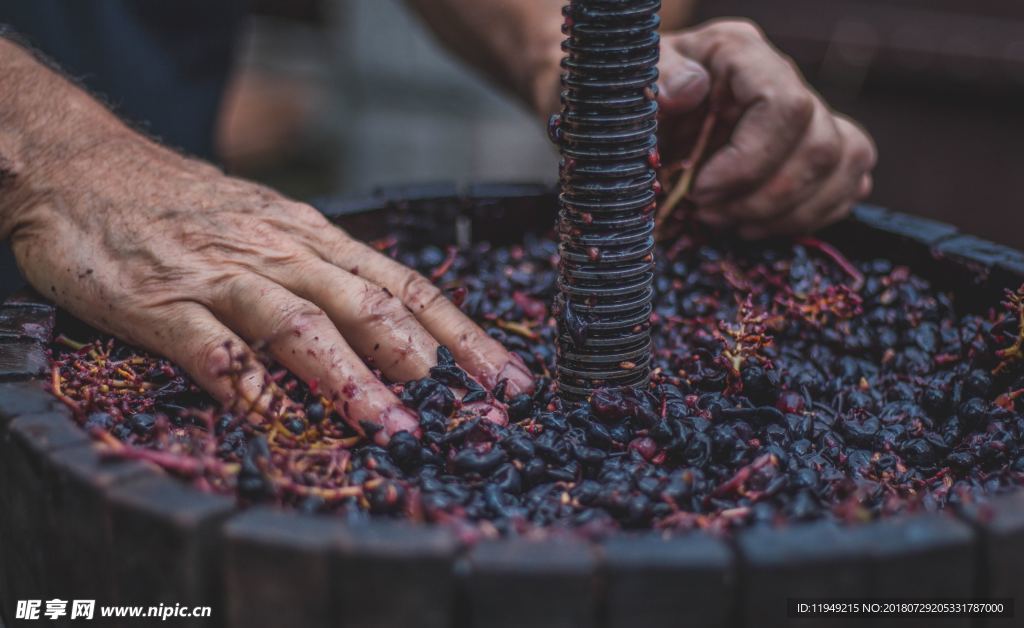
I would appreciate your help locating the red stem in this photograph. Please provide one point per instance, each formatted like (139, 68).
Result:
(443, 267)
(690, 164)
(840, 260)
(740, 478)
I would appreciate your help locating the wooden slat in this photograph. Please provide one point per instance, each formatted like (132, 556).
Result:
(655, 582)
(516, 583)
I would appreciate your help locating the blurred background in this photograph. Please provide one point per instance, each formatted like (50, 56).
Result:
(339, 96)
(938, 83)
(344, 95)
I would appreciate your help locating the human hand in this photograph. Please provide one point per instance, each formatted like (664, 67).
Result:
(169, 254)
(779, 160)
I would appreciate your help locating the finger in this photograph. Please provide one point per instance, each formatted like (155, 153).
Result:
(777, 107)
(683, 84)
(835, 196)
(815, 158)
(303, 339)
(831, 203)
(218, 360)
(376, 324)
(804, 224)
(867, 184)
(482, 356)
(862, 149)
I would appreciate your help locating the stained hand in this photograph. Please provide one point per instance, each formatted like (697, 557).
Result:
(779, 161)
(169, 254)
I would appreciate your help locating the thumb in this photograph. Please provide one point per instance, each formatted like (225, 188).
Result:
(683, 84)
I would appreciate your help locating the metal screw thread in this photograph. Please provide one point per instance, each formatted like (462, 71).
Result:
(607, 136)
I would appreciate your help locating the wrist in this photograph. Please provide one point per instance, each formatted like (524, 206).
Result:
(55, 168)
(48, 126)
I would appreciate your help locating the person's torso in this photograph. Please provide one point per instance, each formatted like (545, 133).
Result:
(162, 65)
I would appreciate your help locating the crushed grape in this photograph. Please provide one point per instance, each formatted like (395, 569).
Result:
(787, 384)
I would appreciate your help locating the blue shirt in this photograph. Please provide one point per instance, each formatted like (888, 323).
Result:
(162, 65)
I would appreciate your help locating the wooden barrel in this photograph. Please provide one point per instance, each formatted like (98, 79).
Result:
(73, 526)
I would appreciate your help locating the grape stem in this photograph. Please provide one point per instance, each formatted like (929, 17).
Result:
(689, 165)
(1015, 303)
(840, 260)
(445, 265)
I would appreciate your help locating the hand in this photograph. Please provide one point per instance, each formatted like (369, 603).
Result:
(779, 162)
(169, 254)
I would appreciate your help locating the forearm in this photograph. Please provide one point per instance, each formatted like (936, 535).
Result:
(52, 134)
(677, 14)
(516, 43)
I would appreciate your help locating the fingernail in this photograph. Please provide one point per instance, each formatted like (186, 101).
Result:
(685, 85)
(518, 376)
(397, 419)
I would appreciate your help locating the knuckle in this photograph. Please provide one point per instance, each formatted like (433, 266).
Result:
(259, 230)
(420, 295)
(308, 215)
(822, 156)
(731, 53)
(235, 236)
(864, 154)
(797, 107)
(213, 358)
(736, 29)
(380, 305)
(300, 264)
(295, 318)
(345, 249)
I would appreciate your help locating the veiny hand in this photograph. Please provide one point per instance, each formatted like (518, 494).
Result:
(780, 162)
(169, 254)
